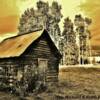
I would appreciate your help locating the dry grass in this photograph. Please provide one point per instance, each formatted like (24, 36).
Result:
(73, 82)
(85, 80)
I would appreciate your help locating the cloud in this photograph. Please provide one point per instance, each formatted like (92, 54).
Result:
(8, 24)
(8, 7)
(92, 8)
(9, 13)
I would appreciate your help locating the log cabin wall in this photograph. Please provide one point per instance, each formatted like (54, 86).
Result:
(10, 71)
(11, 67)
(41, 48)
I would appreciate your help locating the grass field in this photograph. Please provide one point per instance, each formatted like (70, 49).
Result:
(84, 81)
(75, 83)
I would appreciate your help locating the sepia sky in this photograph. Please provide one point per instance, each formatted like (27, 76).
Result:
(10, 11)
(91, 8)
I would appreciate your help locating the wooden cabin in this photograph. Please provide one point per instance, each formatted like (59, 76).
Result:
(27, 55)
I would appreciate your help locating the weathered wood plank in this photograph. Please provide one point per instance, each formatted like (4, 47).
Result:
(41, 49)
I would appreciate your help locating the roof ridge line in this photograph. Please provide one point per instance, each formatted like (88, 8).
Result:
(20, 35)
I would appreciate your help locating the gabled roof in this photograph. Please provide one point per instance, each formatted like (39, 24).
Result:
(16, 46)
